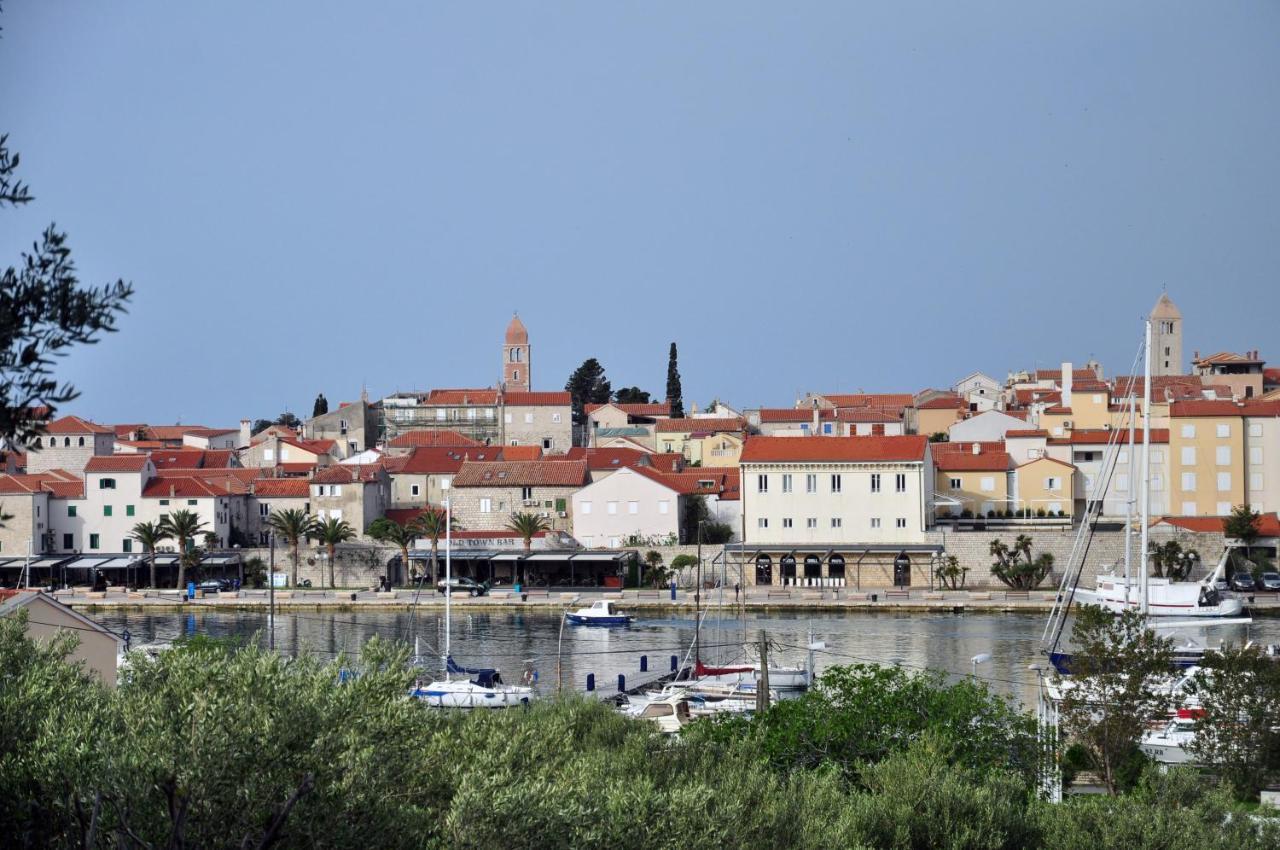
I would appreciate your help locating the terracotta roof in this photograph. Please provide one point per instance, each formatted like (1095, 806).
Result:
(282, 488)
(219, 458)
(1090, 386)
(1096, 436)
(659, 409)
(211, 432)
(834, 449)
(794, 414)
(346, 474)
(537, 399)
(1268, 524)
(177, 458)
(117, 463)
(463, 397)
(516, 334)
(66, 489)
(706, 426)
(867, 414)
(76, 425)
(521, 453)
(1206, 407)
(1271, 376)
(432, 461)
(427, 438)
(1227, 357)
(1034, 395)
(944, 403)
(1025, 432)
(892, 400)
(122, 432)
(238, 473)
(666, 461)
(181, 488)
(1044, 458)
(12, 485)
(528, 473)
(986, 461)
(598, 459)
(296, 468)
(692, 482)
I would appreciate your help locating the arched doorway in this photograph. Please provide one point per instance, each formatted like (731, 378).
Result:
(788, 564)
(902, 570)
(835, 566)
(764, 569)
(812, 566)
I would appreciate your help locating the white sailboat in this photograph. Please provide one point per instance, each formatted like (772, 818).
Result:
(487, 689)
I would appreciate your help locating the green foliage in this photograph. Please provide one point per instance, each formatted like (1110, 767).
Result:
(284, 420)
(587, 385)
(949, 571)
(675, 394)
(679, 562)
(939, 437)
(321, 406)
(1170, 560)
(293, 525)
(149, 535)
(1242, 524)
(1117, 667)
(329, 532)
(631, 395)
(183, 526)
(1239, 736)
(1014, 565)
(717, 533)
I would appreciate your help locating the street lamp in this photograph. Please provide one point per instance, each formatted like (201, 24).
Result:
(980, 658)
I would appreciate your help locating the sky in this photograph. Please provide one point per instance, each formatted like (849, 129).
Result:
(318, 196)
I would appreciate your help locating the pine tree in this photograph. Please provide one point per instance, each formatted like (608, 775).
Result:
(675, 396)
(588, 385)
(321, 407)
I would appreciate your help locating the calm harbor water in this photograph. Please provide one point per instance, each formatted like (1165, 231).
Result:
(509, 641)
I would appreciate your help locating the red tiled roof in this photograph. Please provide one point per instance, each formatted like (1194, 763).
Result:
(1268, 524)
(404, 516)
(1227, 357)
(1025, 432)
(11, 485)
(527, 473)
(660, 409)
(793, 414)
(431, 438)
(216, 458)
(1101, 436)
(521, 452)
(867, 414)
(706, 482)
(1090, 386)
(463, 397)
(180, 488)
(296, 468)
(282, 488)
(537, 399)
(834, 449)
(944, 403)
(707, 426)
(891, 400)
(986, 461)
(347, 474)
(1043, 458)
(117, 463)
(666, 461)
(122, 432)
(177, 458)
(1206, 407)
(76, 425)
(612, 458)
(432, 461)
(1271, 376)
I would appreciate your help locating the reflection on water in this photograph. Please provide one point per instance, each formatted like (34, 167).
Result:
(944, 642)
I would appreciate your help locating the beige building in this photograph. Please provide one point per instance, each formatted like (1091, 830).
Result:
(353, 428)
(1262, 455)
(972, 479)
(1045, 484)
(26, 499)
(1243, 373)
(543, 419)
(486, 494)
(68, 443)
(97, 647)
(269, 495)
(937, 415)
(1206, 442)
(357, 494)
(292, 454)
(424, 476)
(703, 442)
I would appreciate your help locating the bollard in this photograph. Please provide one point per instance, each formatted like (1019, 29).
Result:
(644, 664)
(674, 663)
(673, 590)
(591, 682)
(622, 684)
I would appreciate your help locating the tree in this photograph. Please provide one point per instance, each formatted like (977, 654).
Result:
(1117, 667)
(1014, 565)
(587, 385)
(149, 534)
(293, 524)
(1170, 560)
(652, 559)
(631, 395)
(389, 531)
(330, 532)
(44, 311)
(432, 525)
(695, 512)
(1238, 736)
(949, 571)
(675, 395)
(526, 525)
(321, 406)
(284, 420)
(939, 437)
(1244, 524)
(183, 526)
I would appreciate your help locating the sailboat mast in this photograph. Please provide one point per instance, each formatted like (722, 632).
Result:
(448, 578)
(1143, 602)
(1128, 497)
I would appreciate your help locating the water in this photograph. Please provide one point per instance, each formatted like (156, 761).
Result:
(508, 641)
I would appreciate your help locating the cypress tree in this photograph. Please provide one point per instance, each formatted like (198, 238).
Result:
(321, 406)
(675, 396)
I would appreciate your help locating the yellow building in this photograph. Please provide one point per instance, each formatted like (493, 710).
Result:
(704, 442)
(937, 415)
(972, 478)
(1207, 457)
(1044, 484)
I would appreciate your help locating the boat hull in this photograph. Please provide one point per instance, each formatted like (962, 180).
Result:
(616, 620)
(1165, 598)
(468, 695)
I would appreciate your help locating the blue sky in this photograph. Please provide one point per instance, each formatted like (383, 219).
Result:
(816, 196)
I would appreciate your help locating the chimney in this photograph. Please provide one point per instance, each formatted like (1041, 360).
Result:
(172, 491)
(977, 448)
(1066, 384)
(815, 418)
(245, 434)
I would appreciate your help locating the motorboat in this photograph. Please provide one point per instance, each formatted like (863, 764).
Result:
(671, 713)
(486, 690)
(1170, 743)
(600, 613)
(1165, 597)
(780, 678)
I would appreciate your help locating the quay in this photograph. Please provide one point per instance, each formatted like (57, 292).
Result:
(645, 601)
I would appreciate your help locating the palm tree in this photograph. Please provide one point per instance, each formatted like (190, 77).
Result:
(526, 525)
(148, 534)
(183, 526)
(293, 524)
(390, 531)
(431, 524)
(331, 532)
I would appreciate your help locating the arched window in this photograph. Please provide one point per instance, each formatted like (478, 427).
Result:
(516, 355)
(66, 442)
(764, 569)
(515, 376)
(82, 442)
(812, 566)
(788, 564)
(835, 566)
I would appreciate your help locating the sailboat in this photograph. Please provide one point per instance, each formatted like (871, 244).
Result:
(487, 689)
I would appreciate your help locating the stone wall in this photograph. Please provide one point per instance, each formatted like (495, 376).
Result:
(356, 566)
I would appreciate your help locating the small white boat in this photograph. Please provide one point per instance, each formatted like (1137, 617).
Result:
(1171, 743)
(1165, 597)
(600, 613)
(671, 713)
(486, 690)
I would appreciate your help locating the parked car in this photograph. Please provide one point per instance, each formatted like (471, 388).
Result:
(460, 585)
(1270, 581)
(215, 585)
(1243, 583)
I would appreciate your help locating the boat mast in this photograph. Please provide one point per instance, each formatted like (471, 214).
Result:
(448, 576)
(1128, 497)
(1143, 601)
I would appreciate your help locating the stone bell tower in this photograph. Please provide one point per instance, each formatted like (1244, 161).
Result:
(1166, 337)
(516, 364)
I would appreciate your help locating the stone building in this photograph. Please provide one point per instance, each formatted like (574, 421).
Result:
(424, 476)
(485, 495)
(68, 443)
(1166, 337)
(541, 419)
(357, 494)
(517, 364)
(353, 427)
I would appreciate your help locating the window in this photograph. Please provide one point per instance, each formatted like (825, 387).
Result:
(584, 508)
(901, 522)
(826, 427)
(1123, 456)
(106, 510)
(835, 483)
(1222, 455)
(836, 522)
(762, 522)
(786, 483)
(1188, 455)
(633, 507)
(71, 510)
(811, 522)
(441, 413)
(445, 482)
(561, 504)
(664, 506)
(164, 502)
(264, 509)
(1255, 455)
(1189, 431)
(66, 442)
(106, 484)
(126, 545)
(1188, 508)
(762, 484)
(786, 522)
(269, 455)
(811, 483)
(526, 494)
(515, 375)
(875, 522)
(955, 483)
(1223, 429)
(68, 541)
(414, 490)
(1188, 481)
(528, 419)
(555, 417)
(1052, 483)
(987, 484)
(1255, 481)
(611, 508)
(82, 442)
(875, 482)
(1222, 508)
(1224, 482)
(900, 483)
(486, 506)
(93, 541)
(1255, 429)
(191, 502)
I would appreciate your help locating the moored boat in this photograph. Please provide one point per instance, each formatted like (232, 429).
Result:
(600, 613)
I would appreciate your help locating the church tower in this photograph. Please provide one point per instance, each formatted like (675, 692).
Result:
(1166, 337)
(516, 365)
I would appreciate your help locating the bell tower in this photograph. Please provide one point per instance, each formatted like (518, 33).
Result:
(516, 364)
(1166, 337)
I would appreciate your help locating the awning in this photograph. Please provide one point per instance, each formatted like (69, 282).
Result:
(550, 556)
(221, 559)
(47, 562)
(507, 556)
(599, 556)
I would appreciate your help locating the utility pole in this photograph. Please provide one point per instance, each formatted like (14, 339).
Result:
(271, 597)
(762, 684)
